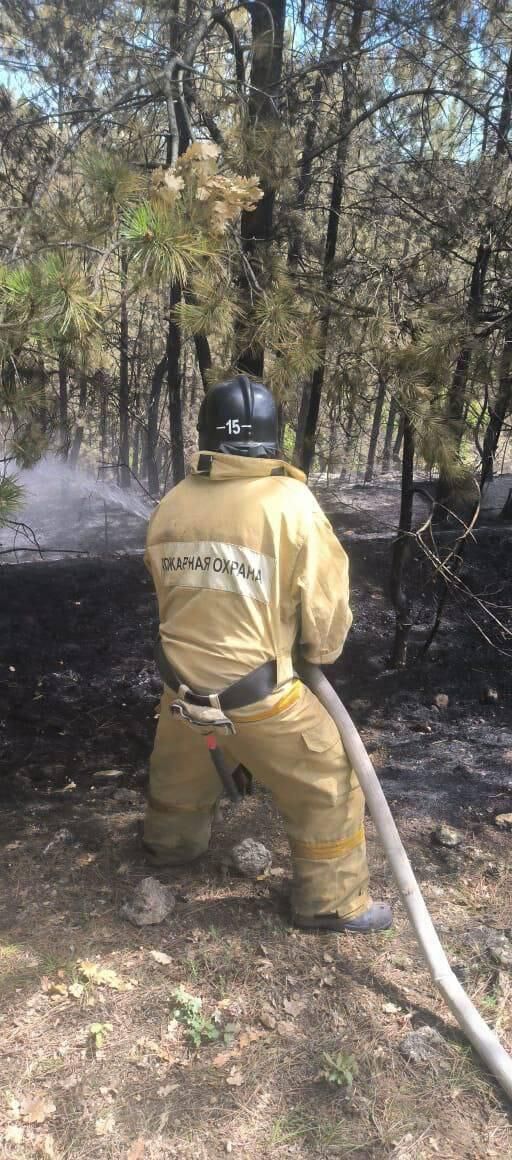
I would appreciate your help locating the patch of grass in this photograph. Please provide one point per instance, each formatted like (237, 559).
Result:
(292, 1126)
(188, 1011)
(9, 951)
(339, 1069)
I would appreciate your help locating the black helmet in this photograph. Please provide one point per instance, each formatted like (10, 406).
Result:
(239, 417)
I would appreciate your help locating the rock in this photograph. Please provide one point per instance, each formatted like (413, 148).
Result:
(501, 953)
(425, 1046)
(151, 903)
(489, 696)
(499, 948)
(441, 700)
(445, 835)
(130, 797)
(267, 1019)
(490, 943)
(504, 821)
(360, 706)
(250, 858)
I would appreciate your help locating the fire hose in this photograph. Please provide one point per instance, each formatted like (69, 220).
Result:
(482, 1038)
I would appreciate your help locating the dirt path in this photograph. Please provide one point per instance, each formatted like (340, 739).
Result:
(94, 1061)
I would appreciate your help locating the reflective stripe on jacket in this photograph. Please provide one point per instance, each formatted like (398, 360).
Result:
(246, 565)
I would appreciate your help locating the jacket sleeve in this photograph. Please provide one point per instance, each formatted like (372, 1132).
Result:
(323, 593)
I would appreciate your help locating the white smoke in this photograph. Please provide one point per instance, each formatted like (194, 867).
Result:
(68, 509)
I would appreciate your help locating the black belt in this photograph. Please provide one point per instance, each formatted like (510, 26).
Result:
(254, 687)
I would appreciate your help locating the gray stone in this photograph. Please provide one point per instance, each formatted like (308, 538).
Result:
(441, 700)
(499, 948)
(445, 835)
(250, 858)
(489, 696)
(504, 821)
(425, 1046)
(150, 904)
(129, 797)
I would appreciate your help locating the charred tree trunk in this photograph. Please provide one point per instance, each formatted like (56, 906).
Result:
(175, 389)
(388, 437)
(312, 393)
(177, 141)
(401, 550)
(457, 394)
(397, 446)
(347, 446)
(502, 407)
(136, 433)
(267, 23)
(103, 421)
(136, 449)
(124, 379)
(152, 426)
(79, 433)
(374, 437)
(305, 173)
(63, 405)
(204, 358)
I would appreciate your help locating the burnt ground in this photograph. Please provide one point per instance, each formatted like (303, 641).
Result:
(78, 696)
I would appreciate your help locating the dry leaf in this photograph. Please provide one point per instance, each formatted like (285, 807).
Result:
(294, 1007)
(285, 1027)
(70, 1082)
(235, 1078)
(166, 1090)
(136, 1151)
(14, 1134)
(161, 957)
(85, 859)
(54, 990)
(14, 1107)
(264, 964)
(224, 1057)
(201, 151)
(250, 1036)
(104, 976)
(46, 1147)
(76, 990)
(391, 1009)
(328, 958)
(105, 1125)
(36, 1110)
(267, 1019)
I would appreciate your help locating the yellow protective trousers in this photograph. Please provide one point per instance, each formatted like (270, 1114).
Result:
(291, 745)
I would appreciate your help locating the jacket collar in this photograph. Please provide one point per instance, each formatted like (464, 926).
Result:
(239, 467)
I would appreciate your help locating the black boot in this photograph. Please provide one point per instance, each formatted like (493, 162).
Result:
(379, 916)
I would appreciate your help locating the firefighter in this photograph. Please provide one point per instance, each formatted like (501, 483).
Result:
(248, 573)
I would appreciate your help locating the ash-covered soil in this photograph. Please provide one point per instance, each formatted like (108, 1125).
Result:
(79, 689)
(94, 1062)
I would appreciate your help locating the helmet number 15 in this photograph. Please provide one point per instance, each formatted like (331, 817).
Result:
(233, 426)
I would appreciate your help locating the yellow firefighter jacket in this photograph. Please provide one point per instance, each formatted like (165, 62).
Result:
(246, 567)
